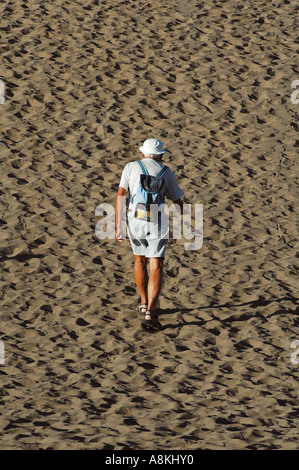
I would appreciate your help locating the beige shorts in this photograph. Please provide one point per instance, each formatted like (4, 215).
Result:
(146, 238)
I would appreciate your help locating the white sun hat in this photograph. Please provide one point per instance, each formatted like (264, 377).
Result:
(152, 147)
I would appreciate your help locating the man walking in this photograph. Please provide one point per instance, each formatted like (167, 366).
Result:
(149, 179)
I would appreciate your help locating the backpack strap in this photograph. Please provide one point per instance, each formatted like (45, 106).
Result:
(143, 167)
(162, 172)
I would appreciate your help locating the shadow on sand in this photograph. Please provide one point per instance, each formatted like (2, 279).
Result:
(260, 302)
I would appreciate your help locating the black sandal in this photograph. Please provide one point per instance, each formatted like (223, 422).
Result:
(153, 323)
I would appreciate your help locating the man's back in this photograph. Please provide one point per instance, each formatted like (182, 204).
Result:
(131, 177)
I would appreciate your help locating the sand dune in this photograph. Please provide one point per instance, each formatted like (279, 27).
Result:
(85, 83)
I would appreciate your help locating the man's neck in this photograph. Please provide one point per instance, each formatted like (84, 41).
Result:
(155, 159)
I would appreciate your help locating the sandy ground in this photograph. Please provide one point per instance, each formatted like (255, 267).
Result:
(86, 83)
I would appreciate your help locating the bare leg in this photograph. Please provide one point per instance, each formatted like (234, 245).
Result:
(141, 277)
(155, 282)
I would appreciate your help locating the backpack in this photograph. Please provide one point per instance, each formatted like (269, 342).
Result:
(151, 190)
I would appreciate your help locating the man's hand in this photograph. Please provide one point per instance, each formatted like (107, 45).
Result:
(119, 235)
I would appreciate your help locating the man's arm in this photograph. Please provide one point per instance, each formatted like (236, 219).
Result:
(120, 208)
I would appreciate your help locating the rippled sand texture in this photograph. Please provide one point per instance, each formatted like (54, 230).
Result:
(86, 83)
